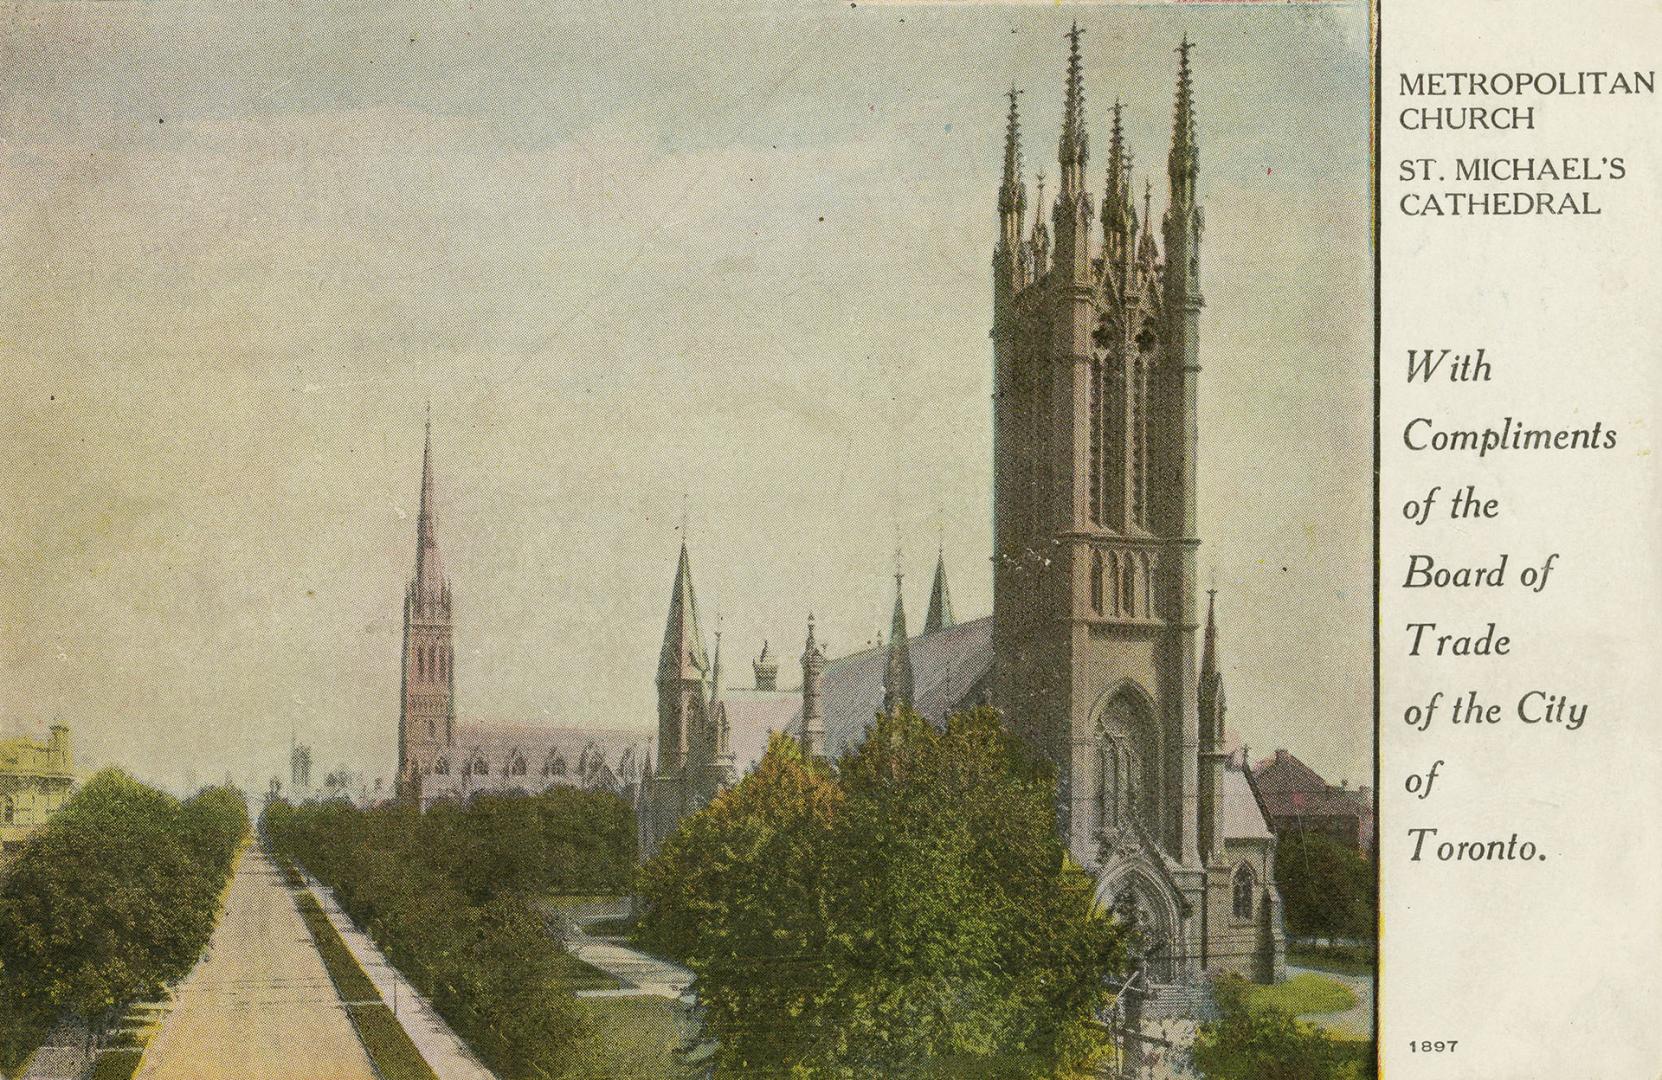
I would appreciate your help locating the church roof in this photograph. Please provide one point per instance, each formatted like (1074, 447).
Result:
(948, 667)
(752, 717)
(536, 743)
(1242, 818)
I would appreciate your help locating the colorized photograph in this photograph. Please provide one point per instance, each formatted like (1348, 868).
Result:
(760, 540)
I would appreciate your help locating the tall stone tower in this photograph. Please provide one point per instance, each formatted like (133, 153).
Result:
(1095, 351)
(427, 709)
(694, 758)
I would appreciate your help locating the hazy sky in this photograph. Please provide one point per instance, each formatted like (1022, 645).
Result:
(739, 251)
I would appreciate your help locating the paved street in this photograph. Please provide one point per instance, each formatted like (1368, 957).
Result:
(261, 1004)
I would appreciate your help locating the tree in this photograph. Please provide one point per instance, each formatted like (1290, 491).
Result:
(915, 914)
(110, 901)
(738, 894)
(1267, 1044)
(1326, 888)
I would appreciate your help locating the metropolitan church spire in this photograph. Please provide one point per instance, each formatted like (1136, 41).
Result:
(427, 700)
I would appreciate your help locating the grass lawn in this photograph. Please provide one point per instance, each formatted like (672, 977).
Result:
(115, 1064)
(350, 981)
(384, 1038)
(1300, 995)
(575, 975)
(638, 1037)
(563, 902)
(1341, 961)
(395, 1056)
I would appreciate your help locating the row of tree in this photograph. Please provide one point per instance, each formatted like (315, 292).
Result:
(909, 912)
(113, 899)
(453, 896)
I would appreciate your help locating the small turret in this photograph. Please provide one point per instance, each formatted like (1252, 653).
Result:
(1184, 220)
(897, 675)
(1012, 200)
(1073, 148)
(813, 700)
(1073, 202)
(940, 601)
(1119, 216)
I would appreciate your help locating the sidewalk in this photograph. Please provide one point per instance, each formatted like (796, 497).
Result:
(448, 1055)
(645, 976)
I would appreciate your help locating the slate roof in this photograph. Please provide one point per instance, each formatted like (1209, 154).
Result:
(1242, 817)
(621, 754)
(949, 667)
(753, 716)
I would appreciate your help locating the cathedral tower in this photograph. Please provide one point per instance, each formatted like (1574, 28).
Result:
(427, 708)
(1095, 349)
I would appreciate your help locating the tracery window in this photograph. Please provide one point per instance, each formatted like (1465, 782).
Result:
(1245, 891)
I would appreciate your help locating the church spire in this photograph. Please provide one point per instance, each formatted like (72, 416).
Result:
(940, 601)
(1209, 647)
(683, 656)
(429, 584)
(1012, 193)
(897, 676)
(1073, 150)
(1184, 162)
(1119, 216)
(1211, 697)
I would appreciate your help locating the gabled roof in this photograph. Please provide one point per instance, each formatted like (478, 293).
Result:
(1290, 788)
(948, 668)
(1242, 817)
(752, 717)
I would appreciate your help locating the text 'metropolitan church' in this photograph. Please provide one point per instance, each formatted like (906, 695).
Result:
(1095, 651)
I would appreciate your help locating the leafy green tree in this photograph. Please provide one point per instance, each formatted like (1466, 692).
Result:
(739, 894)
(1268, 1044)
(113, 899)
(1326, 888)
(914, 915)
(452, 896)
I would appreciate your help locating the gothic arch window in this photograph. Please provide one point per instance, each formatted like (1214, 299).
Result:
(421, 662)
(516, 764)
(481, 767)
(1128, 761)
(1098, 364)
(555, 765)
(1128, 587)
(1146, 583)
(433, 660)
(442, 767)
(1096, 582)
(1245, 891)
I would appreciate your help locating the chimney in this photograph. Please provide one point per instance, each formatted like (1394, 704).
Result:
(766, 668)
